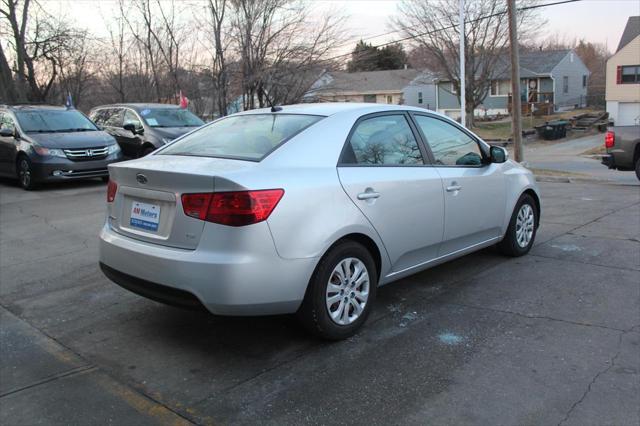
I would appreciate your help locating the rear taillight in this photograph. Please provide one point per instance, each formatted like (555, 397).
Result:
(237, 208)
(609, 139)
(112, 188)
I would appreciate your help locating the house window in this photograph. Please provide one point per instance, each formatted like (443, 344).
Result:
(453, 89)
(565, 84)
(419, 97)
(500, 87)
(370, 98)
(630, 74)
(389, 99)
(584, 81)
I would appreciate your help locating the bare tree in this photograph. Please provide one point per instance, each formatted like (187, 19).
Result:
(434, 27)
(218, 18)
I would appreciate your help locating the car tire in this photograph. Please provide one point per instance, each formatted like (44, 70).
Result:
(522, 229)
(638, 168)
(322, 311)
(25, 173)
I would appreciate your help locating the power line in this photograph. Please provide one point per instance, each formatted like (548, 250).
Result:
(504, 12)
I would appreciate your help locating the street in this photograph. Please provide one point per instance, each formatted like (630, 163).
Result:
(549, 338)
(569, 157)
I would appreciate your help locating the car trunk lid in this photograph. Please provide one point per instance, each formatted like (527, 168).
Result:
(148, 205)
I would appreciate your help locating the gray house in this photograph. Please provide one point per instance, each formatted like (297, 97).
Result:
(551, 81)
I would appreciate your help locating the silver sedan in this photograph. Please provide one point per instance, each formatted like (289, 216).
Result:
(309, 209)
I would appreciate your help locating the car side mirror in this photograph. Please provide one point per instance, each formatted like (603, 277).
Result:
(5, 132)
(133, 129)
(498, 154)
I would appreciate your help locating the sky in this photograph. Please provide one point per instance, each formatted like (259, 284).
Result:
(599, 21)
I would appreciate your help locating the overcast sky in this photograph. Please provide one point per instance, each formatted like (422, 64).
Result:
(600, 21)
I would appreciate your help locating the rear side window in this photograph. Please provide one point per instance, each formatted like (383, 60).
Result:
(382, 140)
(248, 137)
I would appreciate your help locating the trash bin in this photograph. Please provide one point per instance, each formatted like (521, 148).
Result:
(552, 130)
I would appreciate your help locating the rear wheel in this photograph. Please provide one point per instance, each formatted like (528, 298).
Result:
(25, 173)
(341, 292)
(522, 228)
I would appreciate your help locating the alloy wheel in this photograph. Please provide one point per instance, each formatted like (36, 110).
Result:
(25, 173)
(347, 291)
(525, 223)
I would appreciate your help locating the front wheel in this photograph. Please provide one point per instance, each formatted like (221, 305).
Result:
(25, 174)
(522, 229)
(638, 168)
(341, 292)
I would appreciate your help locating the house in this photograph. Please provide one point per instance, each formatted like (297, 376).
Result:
(622, 92)
(550, 81)
(384, 87)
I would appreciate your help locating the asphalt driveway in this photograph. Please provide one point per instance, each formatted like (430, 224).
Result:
(550, 338)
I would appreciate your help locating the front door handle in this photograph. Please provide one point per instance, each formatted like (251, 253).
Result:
(454, 188)
(369, 194)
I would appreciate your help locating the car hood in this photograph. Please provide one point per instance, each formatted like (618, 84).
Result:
(72, 139)
(172, 132)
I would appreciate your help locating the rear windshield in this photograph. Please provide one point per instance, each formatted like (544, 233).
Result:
(54, 121)
(170, 117)
(249, 137)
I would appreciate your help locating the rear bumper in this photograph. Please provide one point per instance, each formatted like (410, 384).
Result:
(60, 169)
(255, 281)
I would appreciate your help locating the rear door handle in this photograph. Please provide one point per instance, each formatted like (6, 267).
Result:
(454, 188)
(368, 195)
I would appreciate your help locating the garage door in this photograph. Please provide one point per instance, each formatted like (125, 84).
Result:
(628, 114)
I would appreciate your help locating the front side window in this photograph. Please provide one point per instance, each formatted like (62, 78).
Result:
(450, 146)
(6, 122)
(631, 74)
(50, 121)
(170, 117)
(382, 140)
(131, 118)
(249, 137)
(114, 118)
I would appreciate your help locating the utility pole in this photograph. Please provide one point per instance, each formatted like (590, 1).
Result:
(463, 109)
(516, 106)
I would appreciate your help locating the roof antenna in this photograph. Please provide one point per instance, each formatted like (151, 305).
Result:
(274, 108)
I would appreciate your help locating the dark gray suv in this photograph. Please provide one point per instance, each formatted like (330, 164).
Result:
(142, 128)
(42, 143)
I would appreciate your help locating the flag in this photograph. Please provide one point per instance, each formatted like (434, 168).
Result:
(69, 102)
(184, 101)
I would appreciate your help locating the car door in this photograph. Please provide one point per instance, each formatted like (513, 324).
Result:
(113, 125)
(474, 189)
(7, 146)
(383, 170)
(133, 140)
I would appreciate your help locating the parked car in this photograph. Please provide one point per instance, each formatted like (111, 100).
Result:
(142, 128)
(308, 209)
(43, 143)
(623, 148)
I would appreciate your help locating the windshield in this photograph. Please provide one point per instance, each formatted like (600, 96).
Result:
(249, 137)
(48, 121)
(170, 117)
